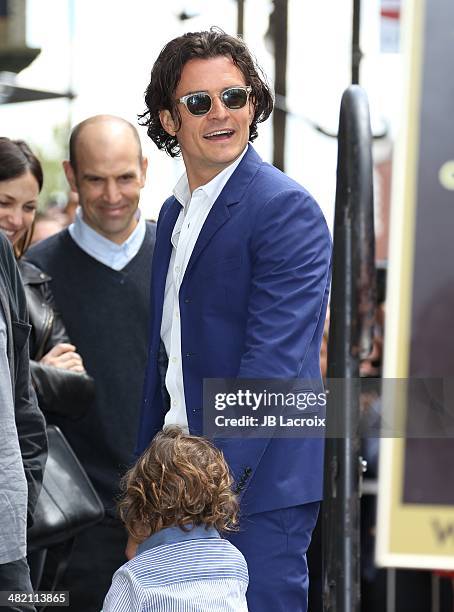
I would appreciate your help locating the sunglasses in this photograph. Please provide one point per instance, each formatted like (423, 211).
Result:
(200, 103)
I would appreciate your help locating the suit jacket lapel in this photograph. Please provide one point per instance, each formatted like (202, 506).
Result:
(232, 193)
(217, 216)
(161, 257)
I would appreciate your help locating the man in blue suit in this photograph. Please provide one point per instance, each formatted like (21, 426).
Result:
(239, 290)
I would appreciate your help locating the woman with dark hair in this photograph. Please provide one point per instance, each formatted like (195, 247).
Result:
(58, 372)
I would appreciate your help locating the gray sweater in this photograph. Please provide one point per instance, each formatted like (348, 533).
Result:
(106, 313)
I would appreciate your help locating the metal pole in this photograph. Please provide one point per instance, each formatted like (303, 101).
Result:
(240, 18)
(72, 57)
(390, 590)
(352, 309)
(279, 28)
(356, 49)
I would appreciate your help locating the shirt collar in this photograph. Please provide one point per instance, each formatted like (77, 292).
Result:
(212, 189)
(102, 249)
(172, 535)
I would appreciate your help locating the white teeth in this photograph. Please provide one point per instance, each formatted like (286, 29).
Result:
(218, 133)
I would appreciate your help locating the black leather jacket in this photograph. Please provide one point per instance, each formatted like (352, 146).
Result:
(59, 391)
(29, 419)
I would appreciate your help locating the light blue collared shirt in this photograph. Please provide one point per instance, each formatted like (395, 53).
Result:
(171, 535)
(176, 570)
(115, 256)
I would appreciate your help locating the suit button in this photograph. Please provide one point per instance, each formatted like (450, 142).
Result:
(187, 300)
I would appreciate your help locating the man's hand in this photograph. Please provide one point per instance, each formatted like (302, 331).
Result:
(64, 356)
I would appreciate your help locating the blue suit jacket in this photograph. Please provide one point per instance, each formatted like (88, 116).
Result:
(252, 305)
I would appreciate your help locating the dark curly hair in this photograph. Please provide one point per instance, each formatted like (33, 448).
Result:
(16, 159)
(166, 74)
(180, 480)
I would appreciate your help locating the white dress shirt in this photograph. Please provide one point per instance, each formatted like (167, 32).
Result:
(111, 254)
(195, 208)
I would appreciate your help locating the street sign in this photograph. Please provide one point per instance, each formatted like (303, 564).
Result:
(416, 483)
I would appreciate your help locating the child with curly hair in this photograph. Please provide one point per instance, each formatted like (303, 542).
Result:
(177, 501)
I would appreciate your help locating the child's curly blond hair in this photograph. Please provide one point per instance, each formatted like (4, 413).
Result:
(179, 480)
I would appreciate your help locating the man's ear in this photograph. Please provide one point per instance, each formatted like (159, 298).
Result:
(143, 169)
(251, 111)
(70, 175)
(167, 122)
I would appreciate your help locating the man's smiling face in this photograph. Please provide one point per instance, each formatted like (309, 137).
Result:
(211, 142)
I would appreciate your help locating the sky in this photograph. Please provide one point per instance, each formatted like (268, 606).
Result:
(104, 49)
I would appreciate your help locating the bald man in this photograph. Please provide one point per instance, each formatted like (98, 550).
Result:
(100, 268)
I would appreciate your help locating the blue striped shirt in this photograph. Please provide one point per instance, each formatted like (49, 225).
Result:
(177, 571)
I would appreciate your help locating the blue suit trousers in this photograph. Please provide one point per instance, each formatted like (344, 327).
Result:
(275, 544)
